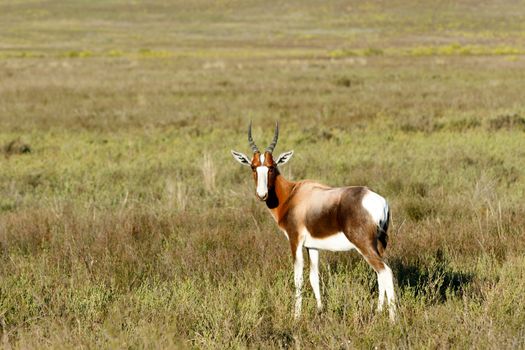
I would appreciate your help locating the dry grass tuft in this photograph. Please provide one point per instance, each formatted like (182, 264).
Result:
(507, 122)
(208, 173)
(16, 147)
(134, 227)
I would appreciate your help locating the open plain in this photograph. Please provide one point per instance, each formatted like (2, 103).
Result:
(125, 222)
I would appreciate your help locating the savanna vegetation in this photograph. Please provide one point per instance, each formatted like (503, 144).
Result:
(125, 223)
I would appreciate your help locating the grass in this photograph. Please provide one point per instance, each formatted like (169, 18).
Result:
(124, 222)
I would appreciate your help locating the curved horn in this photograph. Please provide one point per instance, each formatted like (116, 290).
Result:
(250, 139)
(275, 137)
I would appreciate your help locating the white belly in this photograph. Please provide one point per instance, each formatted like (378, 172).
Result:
(336, 243)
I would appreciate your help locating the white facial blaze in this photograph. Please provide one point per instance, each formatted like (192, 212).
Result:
(262, 179)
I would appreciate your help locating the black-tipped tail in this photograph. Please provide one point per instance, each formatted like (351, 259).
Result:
(382, 230)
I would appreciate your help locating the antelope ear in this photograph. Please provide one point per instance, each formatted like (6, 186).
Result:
(284, 157)
(241, 158)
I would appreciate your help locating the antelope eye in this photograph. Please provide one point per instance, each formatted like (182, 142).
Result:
(271, 169)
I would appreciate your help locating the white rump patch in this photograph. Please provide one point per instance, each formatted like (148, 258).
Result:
(335, 243)
(376, 206)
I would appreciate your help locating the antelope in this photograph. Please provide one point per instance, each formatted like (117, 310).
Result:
(319, 217)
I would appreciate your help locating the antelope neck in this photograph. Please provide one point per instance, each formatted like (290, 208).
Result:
(278, 196)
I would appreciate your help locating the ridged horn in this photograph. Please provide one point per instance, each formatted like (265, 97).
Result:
(250, 139)
(275, 137)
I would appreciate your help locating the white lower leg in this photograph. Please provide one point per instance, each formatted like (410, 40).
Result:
(381, 287)
(314, 275)
(298, 280)
(387, 280)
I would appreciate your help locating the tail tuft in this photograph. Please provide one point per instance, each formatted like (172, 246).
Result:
(382, 230)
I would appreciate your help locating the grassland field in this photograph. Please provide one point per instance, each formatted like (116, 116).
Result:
(129, 225)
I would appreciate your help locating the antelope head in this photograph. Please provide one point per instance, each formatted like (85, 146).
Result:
(264, 167)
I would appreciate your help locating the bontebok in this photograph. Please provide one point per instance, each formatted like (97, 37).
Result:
(320, 217)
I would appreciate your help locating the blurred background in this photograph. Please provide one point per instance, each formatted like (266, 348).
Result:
(125, 223)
